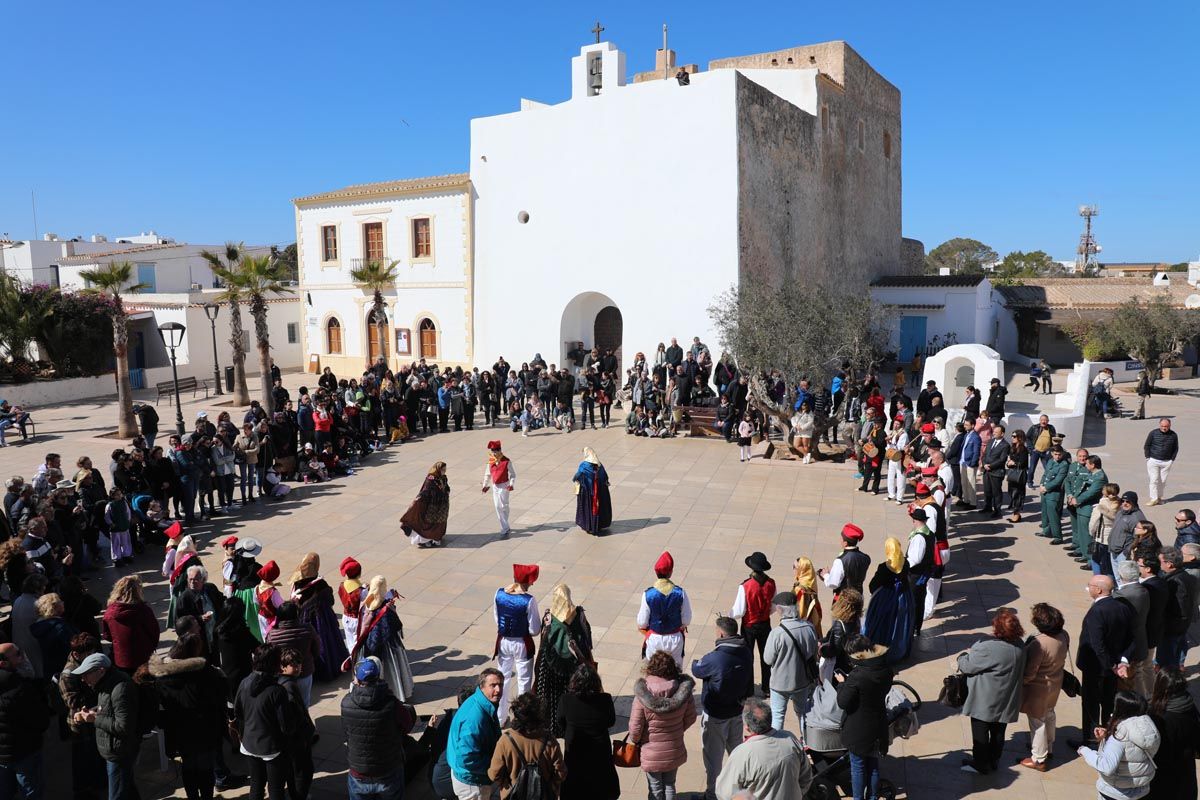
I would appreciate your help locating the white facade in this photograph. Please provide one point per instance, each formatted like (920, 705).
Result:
(161, 268)
(337, 232)
(37, 260)
(942, 310)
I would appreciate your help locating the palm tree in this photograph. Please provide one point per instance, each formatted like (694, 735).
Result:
(111, 279)
(377, 276)
(258, 276)
(226, 269)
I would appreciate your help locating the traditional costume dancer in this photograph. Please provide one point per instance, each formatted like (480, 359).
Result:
(350, 593)
(267, 597)
(499, 476)
(425, 520)
(593, 505)
(381, 634)
(314, 596)
(229, 544)
(517, 622)
(753, 607)
(665, 613)
(849, 569)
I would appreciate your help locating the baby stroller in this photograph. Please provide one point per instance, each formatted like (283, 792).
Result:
(823, 738)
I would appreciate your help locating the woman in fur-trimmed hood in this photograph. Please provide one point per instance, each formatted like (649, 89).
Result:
(663, 708)
(192, 694)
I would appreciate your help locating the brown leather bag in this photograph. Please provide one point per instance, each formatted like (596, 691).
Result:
(626, 753)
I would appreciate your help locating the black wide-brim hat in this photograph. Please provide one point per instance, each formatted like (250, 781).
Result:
(758, 562)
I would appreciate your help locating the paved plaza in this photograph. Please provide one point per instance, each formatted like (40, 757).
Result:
(690, 496)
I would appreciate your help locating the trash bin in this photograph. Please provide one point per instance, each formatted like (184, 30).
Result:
(229, 380)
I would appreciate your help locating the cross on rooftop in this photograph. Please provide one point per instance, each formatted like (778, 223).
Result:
(598, 30)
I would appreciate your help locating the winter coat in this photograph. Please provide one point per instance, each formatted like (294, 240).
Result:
(791, 644)
(586, 721)
(1125, 760)
(24, 716)
(544, 752)
(133, 631)
(301, 636)
(728, 676)
(863, 696)
(771, 765)
(266, 716)
(1045, 659)
(375, 724)
(1179, 740)
(474, 732)
(192, 696)
(1120, 537)
(117, 736)
(994, 670)
(662, 711)
(248, 446)
(1161, 446)
(1189, 534)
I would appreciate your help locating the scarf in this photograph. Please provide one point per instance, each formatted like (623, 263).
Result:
(562, 608)
(894, 554)
(664, 585)
(309, 567)
(498, 467)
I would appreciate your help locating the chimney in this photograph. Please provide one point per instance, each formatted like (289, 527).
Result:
(664, 60)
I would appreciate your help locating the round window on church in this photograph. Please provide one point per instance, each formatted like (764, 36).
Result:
(523, 217)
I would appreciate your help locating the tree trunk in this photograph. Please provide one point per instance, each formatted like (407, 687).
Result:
(126, 423)
(241, 393)
(258, 308)
(381, 325)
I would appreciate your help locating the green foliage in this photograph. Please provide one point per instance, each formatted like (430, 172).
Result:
(289, 266)
(1181, 266)
(1152, 332)
(76, 334)
(960, 255)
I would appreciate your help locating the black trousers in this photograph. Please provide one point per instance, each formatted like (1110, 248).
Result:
(443, 418)
(871, 473)
(993, 490)
(269, 777)
(1016, 496)
(756, 633)
(1098, 690)
(987, 744)
(920, 584)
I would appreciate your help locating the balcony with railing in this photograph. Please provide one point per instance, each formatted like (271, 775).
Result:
(358, 263)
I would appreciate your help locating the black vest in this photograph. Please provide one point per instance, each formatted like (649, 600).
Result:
(855, 564)
(370, 720)
(926, 565)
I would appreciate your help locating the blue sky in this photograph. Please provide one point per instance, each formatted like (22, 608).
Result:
(203, 120)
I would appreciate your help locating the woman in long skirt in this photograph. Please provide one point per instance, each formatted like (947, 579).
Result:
(425, 520)
(593, 505)
(889, 619)
(808, 604)
(314, 596)
(566, 643)
(381, 634)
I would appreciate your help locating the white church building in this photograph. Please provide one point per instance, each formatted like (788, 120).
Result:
(614, 218)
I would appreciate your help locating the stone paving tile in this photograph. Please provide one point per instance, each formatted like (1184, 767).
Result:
(691, 496)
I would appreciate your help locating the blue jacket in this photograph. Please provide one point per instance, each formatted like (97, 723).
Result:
(474, 733)
(728, 675)
(803, 397)
(443, 395)
(970, 449)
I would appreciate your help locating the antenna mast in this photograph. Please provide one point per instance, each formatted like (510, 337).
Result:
(1085, 254)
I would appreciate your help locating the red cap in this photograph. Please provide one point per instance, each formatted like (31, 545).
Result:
(899, 418)
(664, 566)
(930, 470)
(350, 568)
(269, 572)
(852, 533)
(174, 531)
(494, 444)
(927, 427)
(229, 541)
(526, 573)
(922, 490)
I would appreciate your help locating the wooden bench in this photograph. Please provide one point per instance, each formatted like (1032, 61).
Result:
(703, 421)
(167, 388)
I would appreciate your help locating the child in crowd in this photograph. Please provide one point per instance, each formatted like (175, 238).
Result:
(745, 431)
(562, 418)
(314, 471)
(119, 518)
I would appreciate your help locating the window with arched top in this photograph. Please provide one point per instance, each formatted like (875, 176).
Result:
(887, 145)
(428, 338)
(333, 337)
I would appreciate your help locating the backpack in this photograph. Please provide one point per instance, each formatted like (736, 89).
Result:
(528, 783)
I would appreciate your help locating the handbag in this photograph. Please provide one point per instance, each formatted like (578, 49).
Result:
(1015, 475)
(626, 753)
(954, 691)
(1070, 684)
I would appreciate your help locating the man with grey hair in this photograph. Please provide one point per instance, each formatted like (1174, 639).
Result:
(769, 763)
(791, 653)
(1181, 609)
(1130, 589)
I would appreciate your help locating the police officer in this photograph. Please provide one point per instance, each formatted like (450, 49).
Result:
(1054, 476)
(1076, 476)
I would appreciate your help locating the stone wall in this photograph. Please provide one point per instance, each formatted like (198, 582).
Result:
(912, 256)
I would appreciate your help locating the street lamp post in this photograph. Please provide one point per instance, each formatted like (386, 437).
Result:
(211, 310)
(172, 336)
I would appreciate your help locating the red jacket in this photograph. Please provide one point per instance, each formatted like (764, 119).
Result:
(133, 631)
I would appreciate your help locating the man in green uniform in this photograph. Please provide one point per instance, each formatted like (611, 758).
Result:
(1085, 501)
(1076, 476)
(1054, 475)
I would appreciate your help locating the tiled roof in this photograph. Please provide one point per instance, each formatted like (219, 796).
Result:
(1085, 293)
(91, 258)
(433, 183)
(958, 280)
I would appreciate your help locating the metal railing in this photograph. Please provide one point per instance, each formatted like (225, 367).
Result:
(359, 263)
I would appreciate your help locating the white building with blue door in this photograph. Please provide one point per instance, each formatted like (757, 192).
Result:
(931, 311)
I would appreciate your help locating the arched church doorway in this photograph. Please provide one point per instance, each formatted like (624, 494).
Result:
(376, 336)
(607, 333)
(590, 319)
